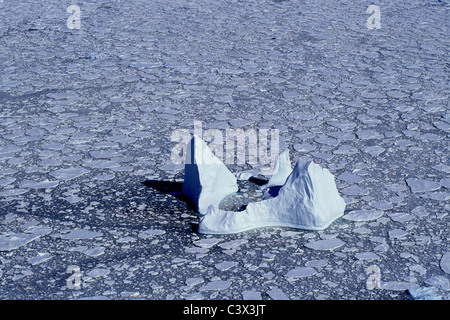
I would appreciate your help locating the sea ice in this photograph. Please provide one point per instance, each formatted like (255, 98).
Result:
(194, 281)
(233, 244)
(207, 243)
(420, 185)
(445, 262)
(41, 257)
(326, 244)
(397, 233)
(207, 180)
(14, 241)
(78, 234)
(367, 255)
(277, 294)
(423, 293)
(401, 216)
(216, 285)
(363, 215)
(251, 295)
(94, 252)
(150, 233)
(69, 173)
(300, 272)
(225, 265)
(308, 200)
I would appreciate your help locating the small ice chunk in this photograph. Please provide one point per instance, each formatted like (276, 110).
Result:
(196, 250)
(104, 154)
(362, 230)
(381, 205)
(41, 257)
(216, 285)
(101, 164)
(98, 272)
(39, 184)
(69, 173)
(126, 239)
(363, 215)
(14, 241)
(317, 263)
(150, 233)
(397, 233)
(207, 243)
(326, 244)
(277, 294)
(78, 234)
(401, 216)
(367, 256)
(438, 281)
(226, 265)
(423, 293)
(355, 190)
(445, 262)
(397, 285)
(41, 230)
(207, 180)
(95, 251)
(13, 192)
(194, 296)
(419, 269)
(350, 177)
(128, 294)
(233, 244)
(308, 200)
(300, 272)
(365, 134)
(374, 150)
(421, 185)
(251, 295)
(420, 212)
(194, 281)
(6, 181)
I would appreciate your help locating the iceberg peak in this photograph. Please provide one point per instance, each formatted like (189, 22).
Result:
(207, 181)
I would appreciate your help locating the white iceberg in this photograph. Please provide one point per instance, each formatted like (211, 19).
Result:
(207, 181)
(281, 172)
(308, 200)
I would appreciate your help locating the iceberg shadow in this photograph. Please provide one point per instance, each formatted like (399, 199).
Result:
(170, 187)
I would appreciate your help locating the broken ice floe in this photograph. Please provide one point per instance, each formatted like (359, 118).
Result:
(445, 262)
(13, 241)
(307, 197)
(326, 244)
(423, 293)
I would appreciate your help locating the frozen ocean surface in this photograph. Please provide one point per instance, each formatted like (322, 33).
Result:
(88, 190)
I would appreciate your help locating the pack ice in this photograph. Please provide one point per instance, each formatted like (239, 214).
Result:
(307, 198)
